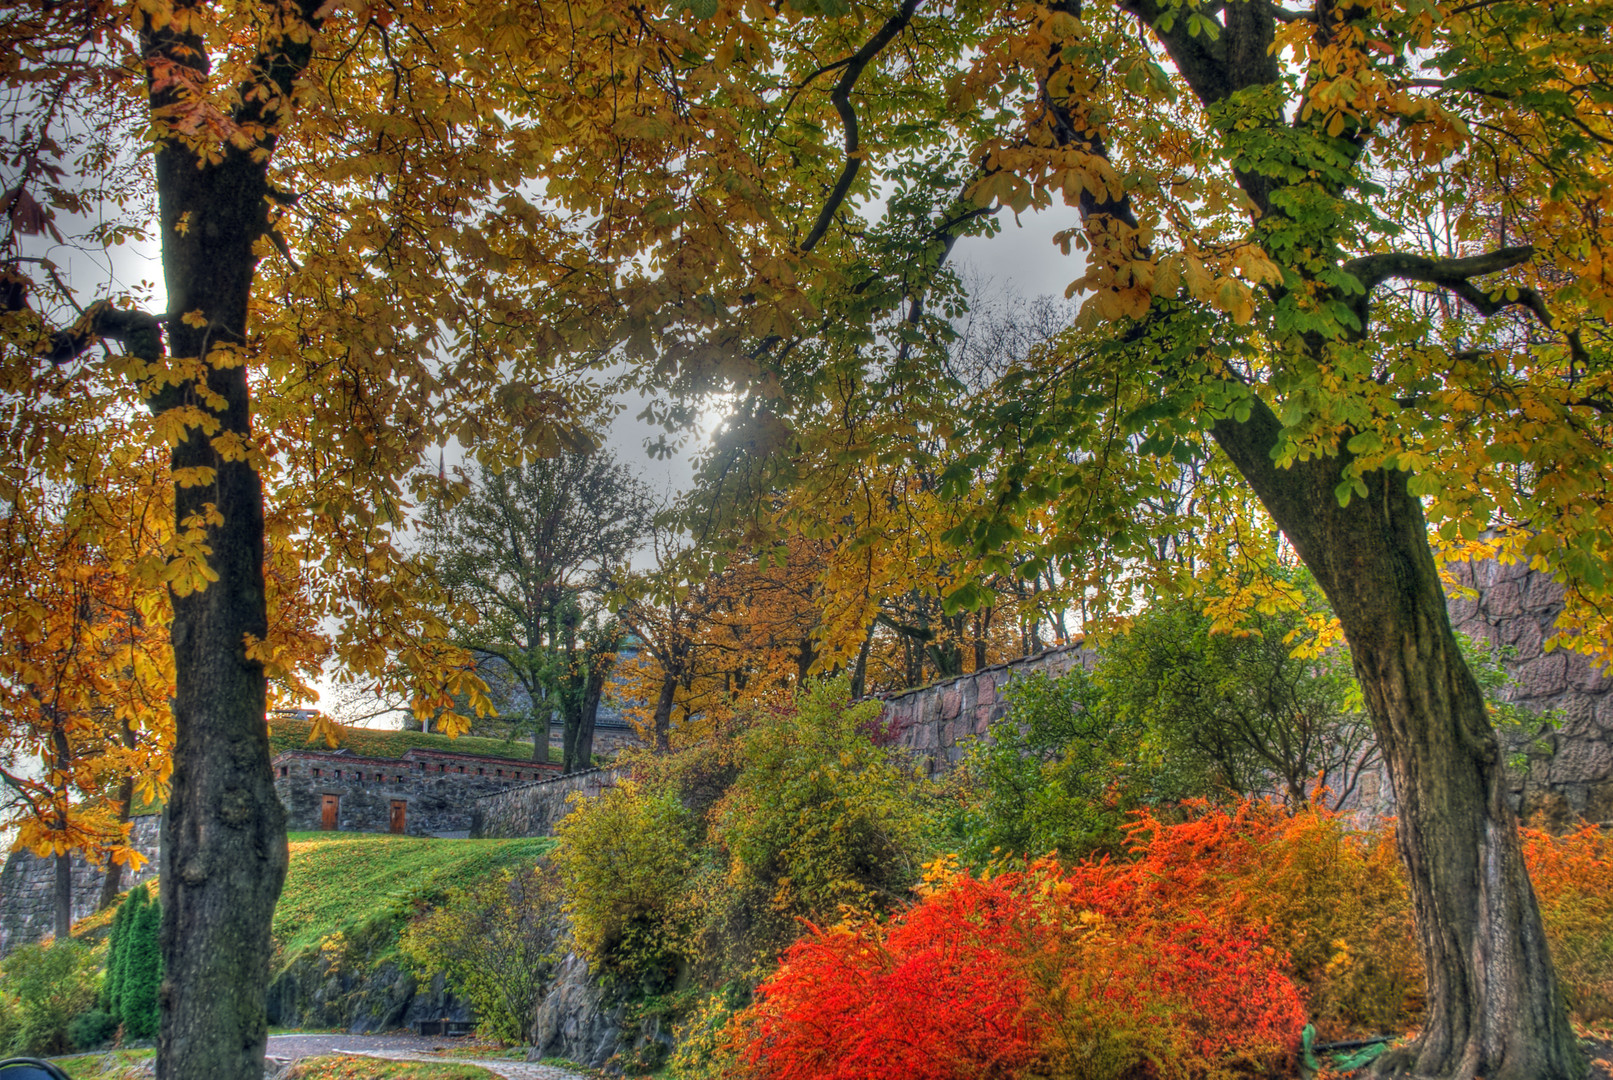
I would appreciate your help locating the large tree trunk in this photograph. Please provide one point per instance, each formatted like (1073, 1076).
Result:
(223, 831)
(1494, 1007)
(64, 896)
(64, 862)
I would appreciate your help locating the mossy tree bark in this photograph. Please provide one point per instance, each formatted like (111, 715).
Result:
(1494, 1006)
(223, 857)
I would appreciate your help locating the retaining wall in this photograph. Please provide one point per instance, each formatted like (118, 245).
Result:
(935, 722)
(535, 809)
(28, 886)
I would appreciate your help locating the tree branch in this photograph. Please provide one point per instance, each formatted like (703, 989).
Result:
(140, 332)
(841, 97)
(1372, 270)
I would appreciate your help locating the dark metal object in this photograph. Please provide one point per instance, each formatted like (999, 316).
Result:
(30, 1069)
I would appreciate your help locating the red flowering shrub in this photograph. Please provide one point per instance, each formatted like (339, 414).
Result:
(944, 995)
(1076, 974)
(1196, 959)
(1333, 901)
(1573, 879)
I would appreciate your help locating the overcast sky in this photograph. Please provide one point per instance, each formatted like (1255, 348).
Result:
(1020, 259)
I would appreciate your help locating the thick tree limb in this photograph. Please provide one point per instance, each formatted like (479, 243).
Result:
(841, 96)
(1454, 275)
(140, 333)
(1373, 270)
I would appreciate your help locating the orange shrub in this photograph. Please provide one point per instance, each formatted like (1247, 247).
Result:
(1573, 879)
(1333, 900)
(1197, 958)
(1078, 974)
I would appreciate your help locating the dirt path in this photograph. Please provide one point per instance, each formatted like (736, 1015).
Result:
(405, 1048)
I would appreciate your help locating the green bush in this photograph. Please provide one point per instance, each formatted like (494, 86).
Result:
(700, 868)
(819, 822)
(1234, 711)
(134, 965)
(117, 948)
(142, 976)
(92, 1030)
(44, 987)
(495, 942)
(625, 861)
(1061, 774)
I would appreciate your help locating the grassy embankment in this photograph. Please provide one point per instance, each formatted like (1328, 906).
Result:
(357, 882)
(287, 734)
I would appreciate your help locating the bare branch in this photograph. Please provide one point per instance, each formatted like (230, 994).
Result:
(841, 96)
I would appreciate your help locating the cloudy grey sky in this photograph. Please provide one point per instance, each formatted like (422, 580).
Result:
(1020, 259)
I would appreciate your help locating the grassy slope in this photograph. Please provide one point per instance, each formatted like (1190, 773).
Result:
(351, 881)
(348, 881)
(375, 742)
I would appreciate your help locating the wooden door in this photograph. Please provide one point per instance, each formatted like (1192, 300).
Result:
(398, 812)
(327, 813)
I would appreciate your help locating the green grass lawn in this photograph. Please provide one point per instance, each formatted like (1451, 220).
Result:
(287, 734)
(344, 881)
(105, 1064)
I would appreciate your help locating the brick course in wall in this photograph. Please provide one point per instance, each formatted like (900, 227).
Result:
(437, 788)
(28, 886)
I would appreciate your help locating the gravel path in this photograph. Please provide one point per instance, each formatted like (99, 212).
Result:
(405, 1048)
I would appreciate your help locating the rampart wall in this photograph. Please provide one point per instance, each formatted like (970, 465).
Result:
(422, 793)
(936, 722)
(28, 886)
(535, 809)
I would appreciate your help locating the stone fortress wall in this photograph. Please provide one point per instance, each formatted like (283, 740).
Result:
(437, 789)
(937, 722)
(28, 886)
(1517, 608)
(535, 809)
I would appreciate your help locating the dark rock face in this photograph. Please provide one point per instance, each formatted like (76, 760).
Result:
(574, 1021)
(28, 886)
(346, 988)
(579, 1020)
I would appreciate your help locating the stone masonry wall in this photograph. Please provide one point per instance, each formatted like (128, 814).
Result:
(936, 722)
(438, 789)
(1514, 607)
(1518, 608)
(535, 809)
(28, 886)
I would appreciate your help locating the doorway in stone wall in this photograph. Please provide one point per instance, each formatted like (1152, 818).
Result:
(399, 810)
(327, 812)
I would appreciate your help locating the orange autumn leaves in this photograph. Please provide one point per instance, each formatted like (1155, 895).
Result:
(1098, 971)
(1201, 956)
